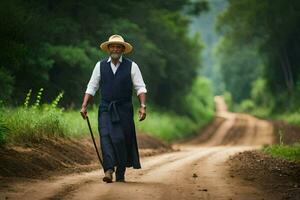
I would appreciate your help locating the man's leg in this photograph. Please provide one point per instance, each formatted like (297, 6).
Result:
(108, 158)
(120, 174)
(108, 153)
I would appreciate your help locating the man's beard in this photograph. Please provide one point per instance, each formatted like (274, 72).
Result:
(115, 55)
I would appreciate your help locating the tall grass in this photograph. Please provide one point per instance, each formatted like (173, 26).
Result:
(32, 122)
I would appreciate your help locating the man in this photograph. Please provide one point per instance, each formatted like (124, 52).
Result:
(116, 77)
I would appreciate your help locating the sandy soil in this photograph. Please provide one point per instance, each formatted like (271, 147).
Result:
(197, 171)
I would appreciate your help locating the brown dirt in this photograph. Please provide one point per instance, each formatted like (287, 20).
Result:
(272, 175)
(205, 133)
(37, 160)
(51, 156)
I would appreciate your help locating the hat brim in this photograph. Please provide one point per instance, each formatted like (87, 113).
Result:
(128, 47)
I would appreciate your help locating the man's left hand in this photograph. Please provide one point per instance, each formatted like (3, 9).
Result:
(142, 113)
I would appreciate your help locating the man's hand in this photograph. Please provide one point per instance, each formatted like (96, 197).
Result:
(86, 99)
(83, 112)
(142, 113)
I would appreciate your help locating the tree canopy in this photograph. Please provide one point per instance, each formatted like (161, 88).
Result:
(55, 45)
(261, 38)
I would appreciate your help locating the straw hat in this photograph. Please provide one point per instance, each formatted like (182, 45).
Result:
(116, 39)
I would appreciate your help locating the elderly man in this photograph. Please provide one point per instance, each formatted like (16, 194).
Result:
(117, 76)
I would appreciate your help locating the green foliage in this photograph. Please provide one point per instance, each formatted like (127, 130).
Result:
(228, 100)
(199, 110)
(57, 99)
(6, 84)
(55, 45)
(27, 124)
(239, 67)
(259, 93)
(27, 99)
(199, 102)
(269, 29)
(205, 24)
(76, 126)
(70, 55)
(289, 152)
(4, 130)
(246, 105)
(38, 99)
(31, 123)
(290, 117)
(167, 126)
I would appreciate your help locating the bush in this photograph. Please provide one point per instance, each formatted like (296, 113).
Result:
(228, 100)
(199, 103)
(246, 106)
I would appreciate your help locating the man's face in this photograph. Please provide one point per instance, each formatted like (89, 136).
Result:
(116, 50)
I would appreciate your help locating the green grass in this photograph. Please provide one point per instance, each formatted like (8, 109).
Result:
(29, 123)
(291, 118)
(76, 126)
(168, 126)
(289, 152)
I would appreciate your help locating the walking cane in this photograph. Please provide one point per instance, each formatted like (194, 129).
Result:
(88, 121)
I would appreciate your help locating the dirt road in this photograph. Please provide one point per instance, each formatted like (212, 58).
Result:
(197, 171)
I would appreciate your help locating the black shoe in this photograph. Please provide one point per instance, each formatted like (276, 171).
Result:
(120, 174)
(121, 180)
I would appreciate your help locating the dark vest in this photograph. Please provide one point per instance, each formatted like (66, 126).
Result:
(118, 86)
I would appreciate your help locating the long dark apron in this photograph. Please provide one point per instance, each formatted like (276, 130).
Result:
(117, 135)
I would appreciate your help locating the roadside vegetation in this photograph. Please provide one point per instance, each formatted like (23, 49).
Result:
(289, 152)
(33, 121)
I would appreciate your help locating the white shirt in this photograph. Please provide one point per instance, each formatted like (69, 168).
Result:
(136, 77)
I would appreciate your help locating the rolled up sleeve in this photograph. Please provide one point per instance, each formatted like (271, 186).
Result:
(137, 79)
(94, 82)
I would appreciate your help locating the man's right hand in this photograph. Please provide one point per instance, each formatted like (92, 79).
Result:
(86, 99)
(83, 112)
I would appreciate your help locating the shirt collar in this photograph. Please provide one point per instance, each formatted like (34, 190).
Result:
(120, 59)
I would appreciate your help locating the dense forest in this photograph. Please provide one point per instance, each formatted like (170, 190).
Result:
(48, 50)
(259, 53)
(55, 44)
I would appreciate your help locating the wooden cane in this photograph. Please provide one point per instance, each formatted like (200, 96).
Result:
(88, 121)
